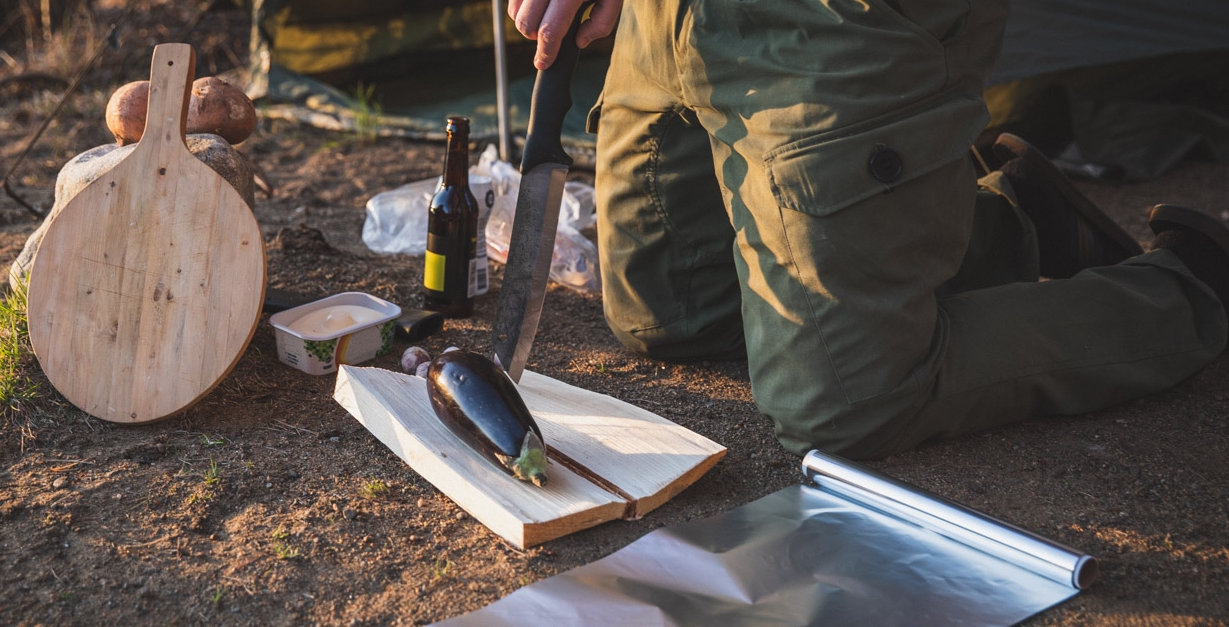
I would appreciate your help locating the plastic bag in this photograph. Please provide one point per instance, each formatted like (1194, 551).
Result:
(397, 219)
(397, 222)
(574, 261)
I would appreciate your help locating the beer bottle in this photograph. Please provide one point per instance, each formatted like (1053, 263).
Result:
(452, 232)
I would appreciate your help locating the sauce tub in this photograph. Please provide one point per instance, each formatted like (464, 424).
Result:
(346, 328)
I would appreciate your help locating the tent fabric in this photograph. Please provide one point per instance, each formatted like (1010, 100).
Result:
(319, 37)
(1045, 36)
(402, 67)
(1126, 121)
(1071, 71)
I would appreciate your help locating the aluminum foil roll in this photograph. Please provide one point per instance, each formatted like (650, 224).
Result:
(976, 529)
(847, 547)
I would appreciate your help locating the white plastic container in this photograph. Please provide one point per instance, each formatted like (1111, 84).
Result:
(347, 328)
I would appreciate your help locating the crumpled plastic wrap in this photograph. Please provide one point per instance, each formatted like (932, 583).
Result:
(396, 222)
(397, 219)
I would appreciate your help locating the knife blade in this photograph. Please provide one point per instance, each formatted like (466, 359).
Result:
(544, 169)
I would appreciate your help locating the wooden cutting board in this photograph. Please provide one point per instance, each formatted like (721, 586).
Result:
(148, 284)
(607, 459)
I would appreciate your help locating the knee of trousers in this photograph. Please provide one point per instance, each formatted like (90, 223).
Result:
(683, 340)
(865, 430)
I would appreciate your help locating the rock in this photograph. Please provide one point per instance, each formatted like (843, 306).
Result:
(82, 169)
(303, 239)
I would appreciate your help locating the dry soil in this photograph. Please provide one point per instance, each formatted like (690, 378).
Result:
(267, 504)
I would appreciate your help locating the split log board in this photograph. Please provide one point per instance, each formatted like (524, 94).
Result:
(608, 459)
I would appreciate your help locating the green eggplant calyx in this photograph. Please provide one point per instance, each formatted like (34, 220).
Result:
(531, 465)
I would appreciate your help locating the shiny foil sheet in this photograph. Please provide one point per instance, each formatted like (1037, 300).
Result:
(849, 547)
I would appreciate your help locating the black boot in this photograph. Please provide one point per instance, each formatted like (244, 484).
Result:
(1199, 240)
(1072, 233)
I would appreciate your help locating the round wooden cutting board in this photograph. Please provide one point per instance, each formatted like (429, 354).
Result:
(148, 284)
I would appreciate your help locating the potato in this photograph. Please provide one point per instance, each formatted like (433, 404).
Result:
(220, 108)
(215, 106)
(126, 112)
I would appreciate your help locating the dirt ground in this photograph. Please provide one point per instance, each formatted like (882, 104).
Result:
(267, 504)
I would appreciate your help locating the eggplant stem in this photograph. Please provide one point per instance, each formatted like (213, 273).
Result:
(531, 465)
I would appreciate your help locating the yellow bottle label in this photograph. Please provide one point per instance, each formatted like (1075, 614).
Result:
(433, 276)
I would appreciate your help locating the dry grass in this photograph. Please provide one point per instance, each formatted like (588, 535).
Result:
(52, 35)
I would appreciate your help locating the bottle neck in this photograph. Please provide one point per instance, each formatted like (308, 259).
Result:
(456, 162)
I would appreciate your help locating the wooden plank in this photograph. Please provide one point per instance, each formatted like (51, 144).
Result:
(395, 408)
(643, 456)
(609, 459)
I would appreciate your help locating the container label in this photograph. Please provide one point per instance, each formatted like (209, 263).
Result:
(480, 257)
(477, 277)
(433, 275)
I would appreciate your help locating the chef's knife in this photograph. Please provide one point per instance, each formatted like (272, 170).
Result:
(544, 168)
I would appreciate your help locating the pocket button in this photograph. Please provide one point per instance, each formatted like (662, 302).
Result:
(885, 164)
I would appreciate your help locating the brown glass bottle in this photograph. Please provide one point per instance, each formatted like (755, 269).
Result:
(452, 232)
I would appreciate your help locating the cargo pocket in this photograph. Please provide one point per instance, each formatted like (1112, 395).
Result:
(823, 174)
(866, 255)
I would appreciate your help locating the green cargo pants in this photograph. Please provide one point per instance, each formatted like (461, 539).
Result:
(792, 179)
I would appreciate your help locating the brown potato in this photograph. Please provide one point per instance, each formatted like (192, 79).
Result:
(220, 108)
(215, 107)
(126, 112)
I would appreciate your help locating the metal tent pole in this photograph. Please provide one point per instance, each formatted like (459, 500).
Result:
(501, 78)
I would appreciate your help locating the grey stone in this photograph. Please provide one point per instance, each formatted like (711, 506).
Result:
(84, 168)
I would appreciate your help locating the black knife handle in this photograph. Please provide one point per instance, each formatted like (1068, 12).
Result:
(551, 100)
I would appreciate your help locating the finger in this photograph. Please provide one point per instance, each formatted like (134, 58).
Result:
(527, 16)
(601, 22)
(554, 27)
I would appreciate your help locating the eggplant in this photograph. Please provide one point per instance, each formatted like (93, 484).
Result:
(477, 401)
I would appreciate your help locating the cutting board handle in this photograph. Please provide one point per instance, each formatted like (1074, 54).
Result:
(170, 86)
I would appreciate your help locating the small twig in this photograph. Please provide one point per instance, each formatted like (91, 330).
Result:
(645, 401)
(68, 465)
(240, 582)
(8, 191)
(111, 41)
(296, 427)
(127, 547)
(8, 58)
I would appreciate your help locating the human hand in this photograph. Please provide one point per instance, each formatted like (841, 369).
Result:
(547, 21)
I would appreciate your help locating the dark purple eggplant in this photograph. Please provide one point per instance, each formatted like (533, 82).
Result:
(476, 400)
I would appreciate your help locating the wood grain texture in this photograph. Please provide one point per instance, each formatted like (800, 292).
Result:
(641, 455)
(629, 461)
(149, 282)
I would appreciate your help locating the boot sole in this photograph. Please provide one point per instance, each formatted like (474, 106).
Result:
(1168, 217)
(1008, 146)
